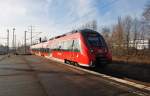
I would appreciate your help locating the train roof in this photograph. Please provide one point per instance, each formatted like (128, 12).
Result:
(72, 32)
(87, 30)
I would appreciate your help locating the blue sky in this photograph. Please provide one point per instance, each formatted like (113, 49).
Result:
(54, 17)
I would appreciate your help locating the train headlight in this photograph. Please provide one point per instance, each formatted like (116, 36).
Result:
(91, 50)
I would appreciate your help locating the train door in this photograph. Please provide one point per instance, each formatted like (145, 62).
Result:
(75, 51)
(59, 51)
(70, 48)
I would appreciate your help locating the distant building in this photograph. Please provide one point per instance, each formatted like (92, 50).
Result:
(140, 44)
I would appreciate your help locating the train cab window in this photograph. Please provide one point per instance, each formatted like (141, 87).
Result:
(96, 41)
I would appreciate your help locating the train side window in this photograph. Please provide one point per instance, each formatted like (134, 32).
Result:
(70, 45)
(55, 47)
(67, 45)
(52, 46)
(43, 49)
(62, 46)
(59, 45)
(76, 46)
(48, 50)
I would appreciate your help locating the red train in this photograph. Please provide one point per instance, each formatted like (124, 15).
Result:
(84, 47)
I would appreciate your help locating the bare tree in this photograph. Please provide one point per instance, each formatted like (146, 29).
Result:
(146, 12)
(127, 25)
(135, 33)
(117, 37)
(146, 15)
(90, 25)
(106, 34)
(119, 31)
(94, 25)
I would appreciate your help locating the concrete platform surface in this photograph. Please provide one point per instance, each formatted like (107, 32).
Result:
(36, 76)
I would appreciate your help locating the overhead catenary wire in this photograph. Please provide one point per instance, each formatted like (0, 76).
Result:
(34, 35)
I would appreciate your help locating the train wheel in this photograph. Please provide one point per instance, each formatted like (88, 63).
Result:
(76, 64)
(66, 61)
(72, 63)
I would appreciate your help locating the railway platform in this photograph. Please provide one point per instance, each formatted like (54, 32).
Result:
(31, 75)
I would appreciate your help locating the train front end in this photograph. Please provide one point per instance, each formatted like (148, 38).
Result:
(97, 50)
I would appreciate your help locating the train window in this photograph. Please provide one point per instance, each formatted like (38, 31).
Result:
(58, 46)
(96, 41)
(48, 50)
(67, 45)
(45, 49)
(54, 46)
(70, 45)
(76, 46)
(62, 45)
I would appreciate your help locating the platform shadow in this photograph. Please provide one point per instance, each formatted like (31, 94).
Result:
(140, 72)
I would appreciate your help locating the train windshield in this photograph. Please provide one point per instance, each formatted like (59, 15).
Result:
(95, 40)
